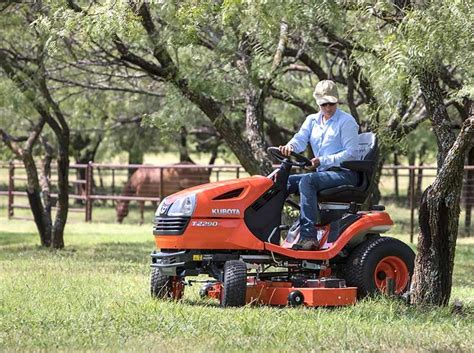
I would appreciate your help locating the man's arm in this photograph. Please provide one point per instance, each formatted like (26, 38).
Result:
(301, 138)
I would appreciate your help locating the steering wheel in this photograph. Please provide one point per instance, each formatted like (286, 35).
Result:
(294, 158)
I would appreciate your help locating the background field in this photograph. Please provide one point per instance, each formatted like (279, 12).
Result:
(94, 295)
(103, 210)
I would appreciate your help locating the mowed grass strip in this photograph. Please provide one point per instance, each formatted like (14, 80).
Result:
(94, 295)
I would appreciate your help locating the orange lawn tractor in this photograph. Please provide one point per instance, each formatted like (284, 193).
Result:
(232, 231)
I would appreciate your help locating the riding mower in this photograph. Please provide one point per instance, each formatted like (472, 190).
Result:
(232, 231)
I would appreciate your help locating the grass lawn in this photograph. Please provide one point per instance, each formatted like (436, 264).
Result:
(94, 296)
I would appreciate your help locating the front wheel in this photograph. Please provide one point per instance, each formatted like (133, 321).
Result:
(373, 263)
(235, 283)
(165, 287)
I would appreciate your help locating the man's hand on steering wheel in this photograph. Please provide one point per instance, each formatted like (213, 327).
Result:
(285, 154)
(286, 150)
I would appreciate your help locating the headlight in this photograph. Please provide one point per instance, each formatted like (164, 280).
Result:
(181, 207)
(162, 207)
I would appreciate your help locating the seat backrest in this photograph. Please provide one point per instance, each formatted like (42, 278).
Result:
(367, 149)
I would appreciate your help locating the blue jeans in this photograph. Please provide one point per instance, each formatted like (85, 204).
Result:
(308, 186)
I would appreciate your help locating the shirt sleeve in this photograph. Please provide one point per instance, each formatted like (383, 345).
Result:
(349, 140)
(301, 138)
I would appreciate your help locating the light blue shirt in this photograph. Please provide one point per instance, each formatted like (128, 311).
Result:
(333, 141)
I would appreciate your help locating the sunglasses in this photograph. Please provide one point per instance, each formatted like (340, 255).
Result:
(327, 105)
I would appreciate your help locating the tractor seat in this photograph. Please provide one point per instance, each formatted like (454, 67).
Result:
(364, 165)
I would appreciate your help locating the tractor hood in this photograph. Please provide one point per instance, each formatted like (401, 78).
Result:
(223, 199)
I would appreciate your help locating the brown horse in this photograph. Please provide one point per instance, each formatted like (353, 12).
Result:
(146, 182)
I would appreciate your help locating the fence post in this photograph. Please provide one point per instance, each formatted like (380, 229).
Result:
(88, 192)
(412, 202)
(11, 188)
(237, 174)
(113, 181)
(395, 175)
(161, 184)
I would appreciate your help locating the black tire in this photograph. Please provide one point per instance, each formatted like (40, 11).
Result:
(295, 298)
(235, 283)
(361, 265)
(161, 286)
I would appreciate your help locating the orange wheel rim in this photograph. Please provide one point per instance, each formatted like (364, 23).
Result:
(391, 267)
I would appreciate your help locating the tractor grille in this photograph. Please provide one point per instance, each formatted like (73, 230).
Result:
(170, 225)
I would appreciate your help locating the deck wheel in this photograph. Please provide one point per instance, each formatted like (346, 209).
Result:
(295, 298)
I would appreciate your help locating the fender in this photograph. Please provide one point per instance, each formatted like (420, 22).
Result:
(370, 222)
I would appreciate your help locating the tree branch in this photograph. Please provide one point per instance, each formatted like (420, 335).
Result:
(149, 67)
(288, 98)
(106, 88)
(306, 59)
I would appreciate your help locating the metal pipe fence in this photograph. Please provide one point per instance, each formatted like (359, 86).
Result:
(95, 183)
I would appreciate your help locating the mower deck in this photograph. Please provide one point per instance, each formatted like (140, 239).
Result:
(314, 293)
(282, 293)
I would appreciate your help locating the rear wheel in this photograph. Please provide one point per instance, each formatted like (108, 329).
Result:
(235, 283)
(374, 263)
(165, 287)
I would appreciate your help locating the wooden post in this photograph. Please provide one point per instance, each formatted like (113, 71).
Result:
(89, 192)
(11, 188)
(412, 202)
(395, 175)
(237, 174)
(161, 184)
(113, 181)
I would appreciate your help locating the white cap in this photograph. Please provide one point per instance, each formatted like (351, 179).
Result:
(326, 92)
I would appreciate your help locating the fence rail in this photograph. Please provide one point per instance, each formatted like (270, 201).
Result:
(95, 182)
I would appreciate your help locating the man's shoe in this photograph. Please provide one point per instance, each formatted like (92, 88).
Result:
(306, 244)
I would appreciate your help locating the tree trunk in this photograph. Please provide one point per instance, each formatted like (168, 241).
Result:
(469, 193)
(84, 148)
(419, 181)
(45, 182)
(254, 126)
(439, 220)
(33, 190)
(246, 155)
(33, 84)
(275, 134)
(41, 216)
(63, 192)
(183, 146)
(439, 209)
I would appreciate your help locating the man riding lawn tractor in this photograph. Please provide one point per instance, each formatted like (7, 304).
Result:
(333, 254)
